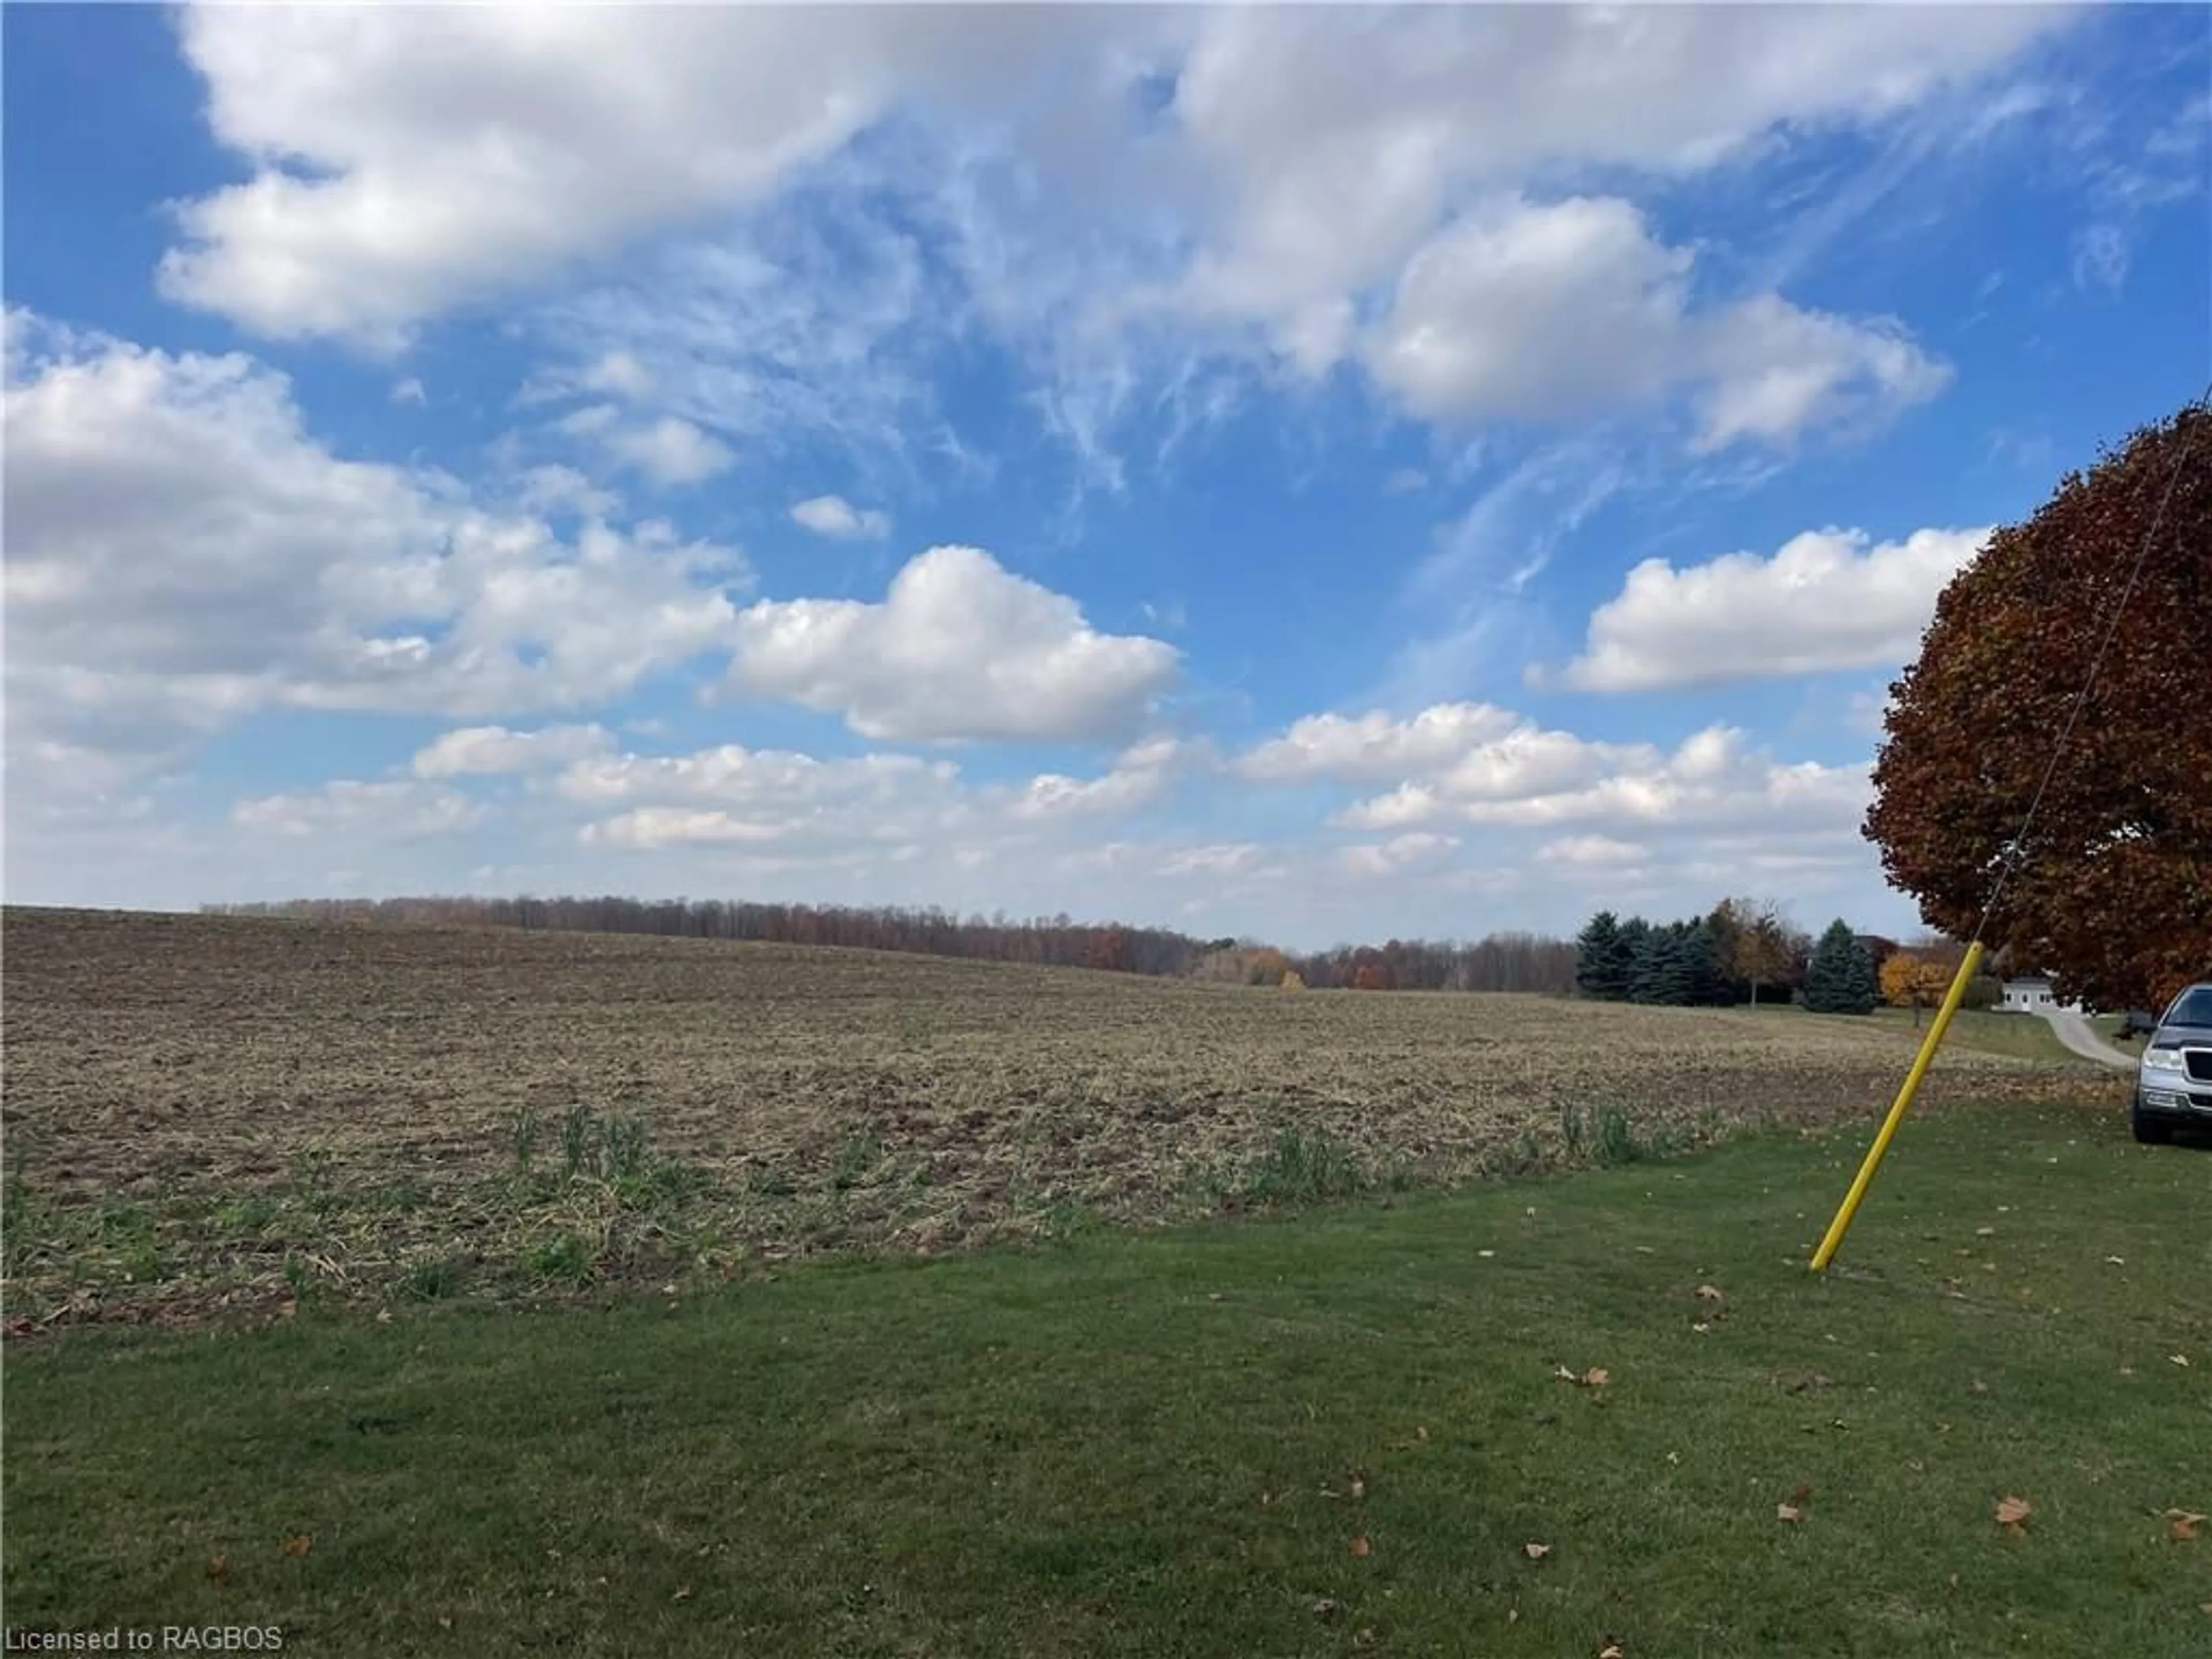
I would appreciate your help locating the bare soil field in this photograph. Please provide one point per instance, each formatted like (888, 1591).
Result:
(207, 1116)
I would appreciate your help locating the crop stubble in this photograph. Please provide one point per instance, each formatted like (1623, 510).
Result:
(340, 1102)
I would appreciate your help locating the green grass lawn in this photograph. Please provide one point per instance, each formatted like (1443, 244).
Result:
(2024, 1036)
(1981, 1030)
(1337, 1433)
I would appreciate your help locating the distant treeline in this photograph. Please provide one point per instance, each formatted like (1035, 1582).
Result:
(1505, 962)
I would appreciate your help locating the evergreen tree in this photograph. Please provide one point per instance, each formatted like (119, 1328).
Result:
(1604, 963)
(1663, 976)
(1709, 984)
(1840, 979)
(1635, 952)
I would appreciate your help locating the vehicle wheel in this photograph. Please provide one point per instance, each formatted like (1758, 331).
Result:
(2150, 1130)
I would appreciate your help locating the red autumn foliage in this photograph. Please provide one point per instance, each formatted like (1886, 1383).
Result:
(2112, 893)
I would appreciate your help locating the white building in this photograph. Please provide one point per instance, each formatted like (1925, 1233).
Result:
(2031, 993)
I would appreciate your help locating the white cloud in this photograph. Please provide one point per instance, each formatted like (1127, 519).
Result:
(1827, 599)
(395, 811)
(959, 649)
(1374, 747)
(617, 372)
(493, 750)
(557, 488)
(1548, 312)
(673, 451)
(409, 391)
(555, 132)
(1415, 850)
(1310, 162)
(1712, 781)
(835, 516)
(2102, 257)
(1591, 852)
(734, 794)
(181, 555)
(1462, 769)
(1144, 773)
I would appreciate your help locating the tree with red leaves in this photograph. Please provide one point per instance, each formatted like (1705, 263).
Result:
(2110, 891)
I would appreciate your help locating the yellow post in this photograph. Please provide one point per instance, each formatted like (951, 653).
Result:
(1842, 1224)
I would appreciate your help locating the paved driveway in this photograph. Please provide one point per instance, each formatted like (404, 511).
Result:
(2076, 1034)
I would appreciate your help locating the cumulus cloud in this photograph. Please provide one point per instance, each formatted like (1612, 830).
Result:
(1144, 773)
(1592, 852)
(1827, 599)
(556, 132)
(1309, 167)
(1712, 780)
(1416, 849)
(835, 517)
(182, 554)
(494, 751)
(1374, 747)
(398, 809)
(959, 649)
(732, 794)
(1457, 767)
(673, 451)
(1550, 311)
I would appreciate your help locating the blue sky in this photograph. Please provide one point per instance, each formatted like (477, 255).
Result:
(1321, 473)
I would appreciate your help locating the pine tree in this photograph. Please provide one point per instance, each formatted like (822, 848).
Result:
(1839, 979)
(1709, 984)
(1604, 963)
(1635, 952)
(1663, 976)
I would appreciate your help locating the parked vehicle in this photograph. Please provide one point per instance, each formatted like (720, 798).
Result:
(2174, 1085)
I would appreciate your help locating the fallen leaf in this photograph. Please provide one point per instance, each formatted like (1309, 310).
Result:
(1536, 1552)
(1645, 1249)
(1363, 1638)
(444, 1621)
(1327, 1608)
(1358, 1487)
(2116, 1260)
(1486, 1255)
(2013, 1512)
(1700, 1327)
(1985, 1233)
(1563, 1374)
(2183, 1524)
(298, 1544)
(384, 1315)
(683, 1593)
(1513, 1614)
(1978, 1386)
(1611, 1649)
(2180, 1359)
(1360, 1544)
(1803, 1494)
(1419, 1432)
(1709, 1293)
(1673, 1457)
(1787, 1512)
(1596, 1378)
(218, 1567)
